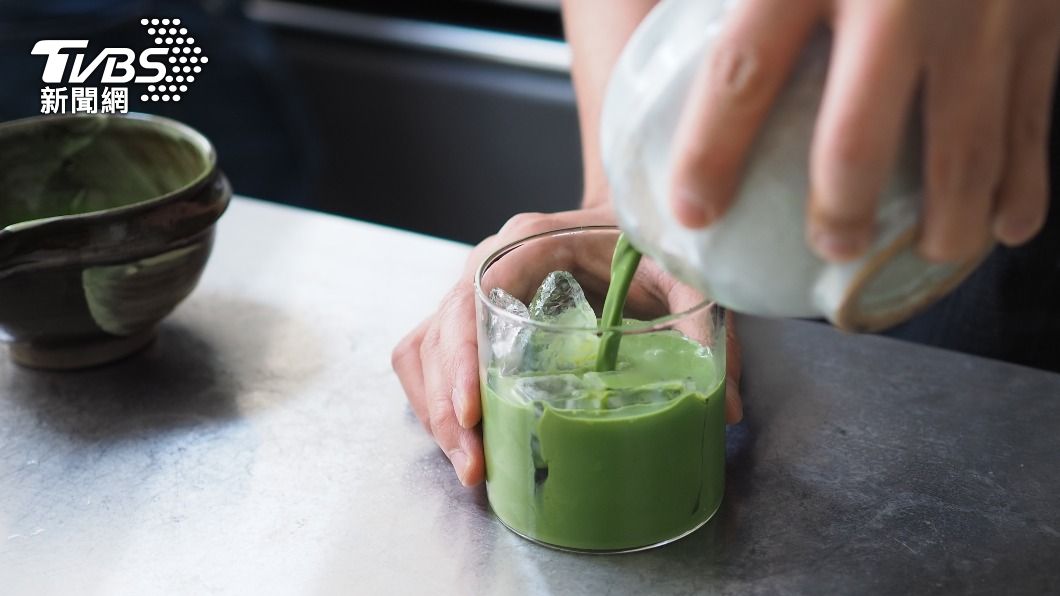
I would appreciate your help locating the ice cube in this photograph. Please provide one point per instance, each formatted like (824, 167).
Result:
(593, 401)
(563, 392)
(553, 388)
(508, 337)
(655, 393)
(561, 302)
(508, 302)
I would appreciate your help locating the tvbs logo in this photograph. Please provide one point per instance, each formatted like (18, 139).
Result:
(166, 69)
(119, 63)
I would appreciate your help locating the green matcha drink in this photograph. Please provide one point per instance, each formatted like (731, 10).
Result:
(600, 435)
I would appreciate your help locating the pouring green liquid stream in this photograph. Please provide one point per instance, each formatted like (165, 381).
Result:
(623, 265)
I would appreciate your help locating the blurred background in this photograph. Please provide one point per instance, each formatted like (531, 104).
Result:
(440, 116)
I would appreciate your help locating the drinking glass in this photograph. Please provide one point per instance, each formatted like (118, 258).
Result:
(591, 461)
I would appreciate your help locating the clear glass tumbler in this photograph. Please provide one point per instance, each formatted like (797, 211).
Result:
(588, 460)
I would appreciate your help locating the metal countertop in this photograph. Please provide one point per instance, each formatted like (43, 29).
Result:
(263, 446)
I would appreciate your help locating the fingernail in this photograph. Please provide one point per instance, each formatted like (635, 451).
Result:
(460, 400)
(1013, 231)
(835, 245)
(693, 208)
(460, 462)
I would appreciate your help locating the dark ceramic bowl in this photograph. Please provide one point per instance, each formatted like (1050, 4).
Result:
(106, 224)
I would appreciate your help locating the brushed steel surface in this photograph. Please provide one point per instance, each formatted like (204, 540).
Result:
(263, 446)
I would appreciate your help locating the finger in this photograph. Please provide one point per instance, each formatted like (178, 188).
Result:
(405, 361)
(1023, 196)
(458, 352)
(733, 372)
(449, 377)
(965, 113)
(863, 115)
(733, 403)
(728, 102)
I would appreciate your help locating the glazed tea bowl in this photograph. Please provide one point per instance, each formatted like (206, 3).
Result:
(106, 225)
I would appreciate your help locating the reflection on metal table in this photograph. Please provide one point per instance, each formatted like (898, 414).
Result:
(262, 445)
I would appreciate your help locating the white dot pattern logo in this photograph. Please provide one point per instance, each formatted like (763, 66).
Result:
(181, 50)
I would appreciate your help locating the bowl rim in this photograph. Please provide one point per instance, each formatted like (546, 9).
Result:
(195, 137)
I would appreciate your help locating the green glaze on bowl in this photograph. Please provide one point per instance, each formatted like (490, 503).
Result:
(130, 296)
(107, 224)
